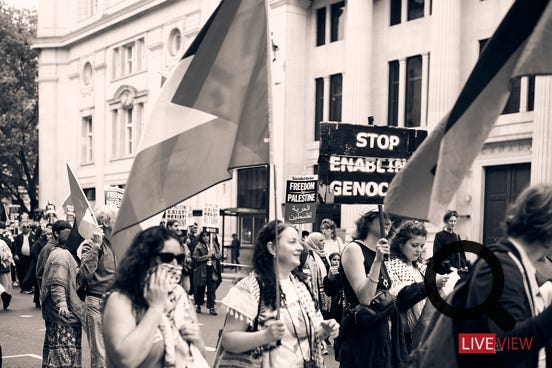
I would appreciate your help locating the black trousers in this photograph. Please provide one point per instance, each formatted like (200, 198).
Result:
(211, 286)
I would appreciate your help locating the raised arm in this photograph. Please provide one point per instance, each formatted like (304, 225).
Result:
(128, 343)
(353, 264)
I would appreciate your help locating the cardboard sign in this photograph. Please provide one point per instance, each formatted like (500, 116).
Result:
(357, 162)
(114, 196)
(301, 193)
(211, 215)
(178, 213)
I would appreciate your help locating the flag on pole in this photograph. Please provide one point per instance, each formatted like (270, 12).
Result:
(85, 222)
(211, 117)
(521, 45)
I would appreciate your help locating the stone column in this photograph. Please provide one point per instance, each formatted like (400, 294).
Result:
(402, 92)
(47, 116)
(358, 49)
(541, 162)
(425, 83)
(288, 21)
(444, 82)
(326, 101)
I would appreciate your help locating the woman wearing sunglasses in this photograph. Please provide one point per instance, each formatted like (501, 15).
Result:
(148, 319)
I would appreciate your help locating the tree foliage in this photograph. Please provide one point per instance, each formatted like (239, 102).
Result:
(18, 105)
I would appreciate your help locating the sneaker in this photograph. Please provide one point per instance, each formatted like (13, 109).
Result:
(6, 299)
(213, 312)
(198, 308)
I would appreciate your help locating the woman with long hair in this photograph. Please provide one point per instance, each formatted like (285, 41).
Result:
(363, 274)
(207, 272)
(148, 319)
(406, 270)
(252, 326)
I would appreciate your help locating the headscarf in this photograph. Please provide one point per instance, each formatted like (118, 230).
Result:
(315, 263)
(313, 243)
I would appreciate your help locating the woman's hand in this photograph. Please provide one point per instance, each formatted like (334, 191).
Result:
(333, 271)
(64, 312)
(382, 249)
(190, 332)
(328, 328)
(156, 290)
(274, 330)
(441, 280)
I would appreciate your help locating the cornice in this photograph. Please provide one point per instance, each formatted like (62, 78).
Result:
(100, 26)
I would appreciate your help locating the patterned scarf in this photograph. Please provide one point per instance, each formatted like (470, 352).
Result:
(314, 318)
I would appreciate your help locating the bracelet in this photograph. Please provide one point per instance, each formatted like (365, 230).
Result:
(374, 281)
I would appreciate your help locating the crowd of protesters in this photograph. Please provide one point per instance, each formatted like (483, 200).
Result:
(306, 292)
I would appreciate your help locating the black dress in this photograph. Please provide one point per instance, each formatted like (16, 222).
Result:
(381, 345)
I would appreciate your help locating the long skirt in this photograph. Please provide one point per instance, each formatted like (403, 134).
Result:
(62, 346)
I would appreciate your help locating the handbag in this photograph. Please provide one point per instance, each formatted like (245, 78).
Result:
(379, 308)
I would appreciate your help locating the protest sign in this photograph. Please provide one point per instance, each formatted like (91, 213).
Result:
(300, 206)
(357, 162)
(114, 196)
(178, 213)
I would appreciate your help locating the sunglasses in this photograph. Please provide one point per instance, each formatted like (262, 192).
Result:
(168, 257)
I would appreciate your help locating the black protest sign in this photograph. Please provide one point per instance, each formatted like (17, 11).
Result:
(300, 206)
(357, 162)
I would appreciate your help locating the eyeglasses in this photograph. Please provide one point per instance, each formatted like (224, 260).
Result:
(168, 257)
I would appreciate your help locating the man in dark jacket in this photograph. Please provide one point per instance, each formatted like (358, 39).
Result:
(22, 245)
(528, 227)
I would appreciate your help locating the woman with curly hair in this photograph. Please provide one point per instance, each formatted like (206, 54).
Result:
(406, 271)
(148, 319)
(253, 326)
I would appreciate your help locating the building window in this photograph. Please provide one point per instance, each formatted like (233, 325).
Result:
(415, 9)
(126, 130)
(393, 97)
(128, 59)
(87, 140)
(253, 188)
(531, 93)
(512, 105)
(396, 6)
(336, 92)
(337, 21)
(413, 91)
(320, 26)
(175, 42)
(318, 106)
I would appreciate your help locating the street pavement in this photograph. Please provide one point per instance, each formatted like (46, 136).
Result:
(22, 331)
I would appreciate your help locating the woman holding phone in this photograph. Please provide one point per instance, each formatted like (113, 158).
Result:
(148, 318)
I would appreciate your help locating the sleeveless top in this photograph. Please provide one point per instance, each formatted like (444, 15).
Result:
(369, 256)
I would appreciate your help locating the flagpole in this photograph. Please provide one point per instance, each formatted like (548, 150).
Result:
(276, 266)
(271, 154)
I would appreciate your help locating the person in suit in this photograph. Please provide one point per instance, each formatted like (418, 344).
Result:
(528, 228)
(22, 245)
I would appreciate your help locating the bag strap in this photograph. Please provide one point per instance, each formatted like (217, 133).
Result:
(308, 325)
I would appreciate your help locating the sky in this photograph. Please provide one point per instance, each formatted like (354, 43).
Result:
(29, 4)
